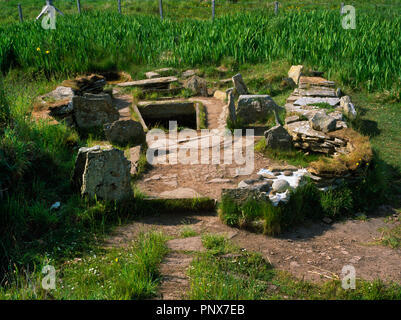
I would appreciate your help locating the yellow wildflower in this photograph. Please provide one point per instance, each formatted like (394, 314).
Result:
(47, 51)
(37, 49)
(116, 259)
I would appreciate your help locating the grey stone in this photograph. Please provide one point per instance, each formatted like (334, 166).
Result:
(239, 84)
(188, 73)
(311, 100)
(231, 106)
(106, 173)
(93, 110)
(291, 119)
(268, 176)
(288, 82)
(197, 85)
(60, 93)
(152, 75)
(278, 138)
(80, 165)
(316, 92)
(322, 122)
(252, 108)
(124, 132)
(240, 195)
(336, 115)
(155, 83)
(348, 107)
(280, 185)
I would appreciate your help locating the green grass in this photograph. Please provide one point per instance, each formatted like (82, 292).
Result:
(185, 8)
(293, 157)
(118, 274)
(118, 42)
(225, 272)
(324, 106)
(305, 203)
(187, 232)
(391, 235)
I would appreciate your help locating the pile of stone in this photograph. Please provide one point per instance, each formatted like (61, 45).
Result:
(160, 84)
(86, 106)
(93, 83)
(273, 184)
(102, 172)
(310, 123)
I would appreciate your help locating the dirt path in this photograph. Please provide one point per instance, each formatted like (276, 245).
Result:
(315, 252)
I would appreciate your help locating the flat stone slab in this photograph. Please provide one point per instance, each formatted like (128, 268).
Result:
(311, 100)
(317, 92)
(180, 193)
(219, 180)
(314, 81)
(186, 244)
(149, 83)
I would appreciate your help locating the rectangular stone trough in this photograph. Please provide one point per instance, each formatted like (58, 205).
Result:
(159, 113)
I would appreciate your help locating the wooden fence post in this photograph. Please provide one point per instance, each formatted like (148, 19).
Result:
(119, 6)
(161, 9)
(79, 6)
(21, 18)
(276, 7)
(213, 9)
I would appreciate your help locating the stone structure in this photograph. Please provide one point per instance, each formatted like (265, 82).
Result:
(124, 132)
(278, 138)
(252, 108)
(239, 84)
(103, 172)
(197, 85)
(93, 110)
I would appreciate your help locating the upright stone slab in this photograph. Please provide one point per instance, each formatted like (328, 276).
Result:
(231, 106)
(124, 132)
(239, 84)
(106, 174)
(295, 73)
(348, 107)
(93, 110)
(253, 108)
(278, 138)
(197, 85)
(80, 166)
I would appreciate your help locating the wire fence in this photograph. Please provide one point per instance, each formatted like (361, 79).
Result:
(202, 9)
